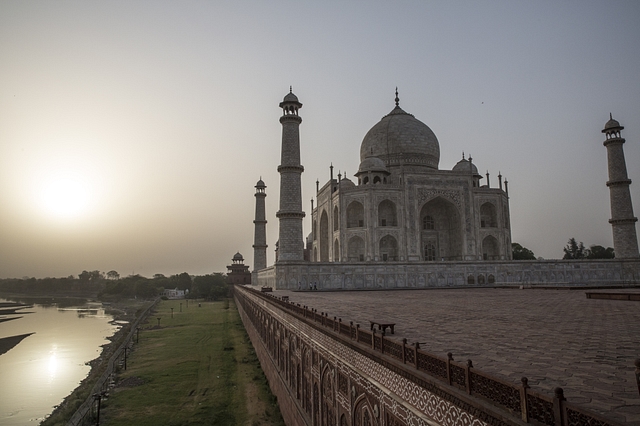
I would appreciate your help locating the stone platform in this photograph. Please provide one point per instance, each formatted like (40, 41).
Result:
(553, 337)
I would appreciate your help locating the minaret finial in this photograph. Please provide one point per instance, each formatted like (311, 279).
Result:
(463, 155)
(610, 116)
(397, 99)
(290, 89)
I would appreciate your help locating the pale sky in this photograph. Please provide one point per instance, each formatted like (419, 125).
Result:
(132, 133)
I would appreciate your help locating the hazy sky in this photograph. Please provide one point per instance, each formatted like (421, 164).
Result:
(132, 133)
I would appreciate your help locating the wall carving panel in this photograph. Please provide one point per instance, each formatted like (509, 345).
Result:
(346, 382)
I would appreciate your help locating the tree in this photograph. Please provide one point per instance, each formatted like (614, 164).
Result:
(113, 275)
(574, 250)
(599, 252)
(181, 281)
(212, 286)
(521, 253)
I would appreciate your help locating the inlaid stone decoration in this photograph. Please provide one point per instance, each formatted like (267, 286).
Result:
(349, 388)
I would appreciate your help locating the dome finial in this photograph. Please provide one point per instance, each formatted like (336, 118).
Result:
(397, 99)
(610, 116)
(290, 89)
(463, 155)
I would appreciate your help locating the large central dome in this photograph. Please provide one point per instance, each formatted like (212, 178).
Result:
(401, 139)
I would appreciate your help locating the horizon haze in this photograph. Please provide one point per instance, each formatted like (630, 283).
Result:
(132, 133)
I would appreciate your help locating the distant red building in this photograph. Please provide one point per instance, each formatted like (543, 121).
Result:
(238, 271)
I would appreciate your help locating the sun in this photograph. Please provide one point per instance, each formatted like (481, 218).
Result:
(65, 197)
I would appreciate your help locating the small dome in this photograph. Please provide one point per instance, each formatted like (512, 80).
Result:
(372, 164)
(401, 139)
(347, 183)
(260, 184)
(238, 256)
(290, 98)
(463, 166)
(612, 124)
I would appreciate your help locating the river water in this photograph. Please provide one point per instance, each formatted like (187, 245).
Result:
(39, 372)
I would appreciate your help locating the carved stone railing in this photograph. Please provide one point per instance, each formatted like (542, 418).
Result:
(518, 400)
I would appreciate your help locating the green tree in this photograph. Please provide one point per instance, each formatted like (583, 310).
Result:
(521, 253)
(599, 252)
(113, 275)
(180, 281)
(574, 250)
(212, 286)
(93, 276)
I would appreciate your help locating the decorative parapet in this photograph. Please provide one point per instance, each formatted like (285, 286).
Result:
(395, 383)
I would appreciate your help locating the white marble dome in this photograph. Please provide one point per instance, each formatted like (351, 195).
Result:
(399, 139)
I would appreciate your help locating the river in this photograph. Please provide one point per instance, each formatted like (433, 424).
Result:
(46, 366)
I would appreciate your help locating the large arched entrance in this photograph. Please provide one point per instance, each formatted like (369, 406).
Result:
(440, 230)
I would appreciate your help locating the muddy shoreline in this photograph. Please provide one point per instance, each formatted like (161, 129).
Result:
(123, 313)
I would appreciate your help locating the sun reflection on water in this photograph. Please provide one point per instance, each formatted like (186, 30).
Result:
(53, 363)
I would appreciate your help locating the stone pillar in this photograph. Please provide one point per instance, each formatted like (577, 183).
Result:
(260, 236)
(290, 215)
(623, 223)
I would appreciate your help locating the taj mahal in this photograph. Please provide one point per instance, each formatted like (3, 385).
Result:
(403, 222)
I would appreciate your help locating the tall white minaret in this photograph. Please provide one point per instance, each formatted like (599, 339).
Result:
(625, 240)
(260, 236)
(290, 215)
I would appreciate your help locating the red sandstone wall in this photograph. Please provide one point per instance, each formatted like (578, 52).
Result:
(291, 413)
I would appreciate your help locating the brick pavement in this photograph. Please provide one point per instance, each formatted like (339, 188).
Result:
(553, 337)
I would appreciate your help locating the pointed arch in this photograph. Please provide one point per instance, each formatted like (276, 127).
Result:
(328, 397)
(488, 216)
(387, 215)
(388, 248)
(440, 226)
(355, 215)
(362, 412)
(490, 248)
(324, 237)
(336, 251)
(336, 218)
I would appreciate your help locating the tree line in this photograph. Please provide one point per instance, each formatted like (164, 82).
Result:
(573, 250)
(111, 286)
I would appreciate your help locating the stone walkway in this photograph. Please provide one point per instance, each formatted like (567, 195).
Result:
(553, 337)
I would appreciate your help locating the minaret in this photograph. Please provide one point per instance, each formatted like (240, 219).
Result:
(290, 214)
(625, 240)
(260, 236)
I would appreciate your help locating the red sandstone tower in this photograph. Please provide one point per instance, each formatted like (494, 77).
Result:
(238, 271)
(290, 215)
(625, 240)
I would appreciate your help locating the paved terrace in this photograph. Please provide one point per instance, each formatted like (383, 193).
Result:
(553, 337)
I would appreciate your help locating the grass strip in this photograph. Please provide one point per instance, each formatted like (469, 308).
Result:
(195, 366)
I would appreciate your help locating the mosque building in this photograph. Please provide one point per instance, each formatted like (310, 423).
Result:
(405, 223)
(404, 208)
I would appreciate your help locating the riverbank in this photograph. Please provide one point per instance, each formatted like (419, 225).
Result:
(124, 312)
(192, 365)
